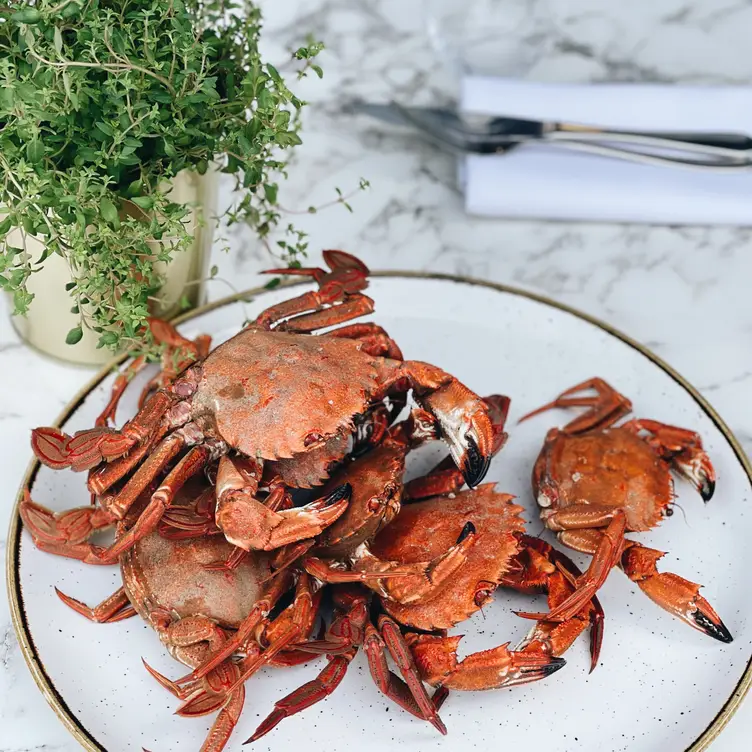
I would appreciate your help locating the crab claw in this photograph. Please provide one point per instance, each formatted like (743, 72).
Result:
(694, 464)
(436, 659)
(682, 598)
(464, 423)
(673, 593)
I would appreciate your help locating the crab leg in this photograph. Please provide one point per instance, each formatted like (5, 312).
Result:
(583, 516)
(683, 449)
(193, 462)
(340, 644)
(347, 277)
(225, 723)
(356, 305)
(543, 569)
(404, 583)
(102, 478)
(416, 698)
(607, 406)
(309, 694)
(65, 533)
(157, 461)
(250, 524)
(301, 615)
(671, 592)
(118, 389)
(375, 339)
(86, 449)
(115, 607)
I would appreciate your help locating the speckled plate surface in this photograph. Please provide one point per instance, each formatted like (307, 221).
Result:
(659, 686)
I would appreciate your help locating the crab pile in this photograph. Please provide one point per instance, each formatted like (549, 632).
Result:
(221, 554)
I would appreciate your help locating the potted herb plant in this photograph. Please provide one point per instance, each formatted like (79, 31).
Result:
(115, 116)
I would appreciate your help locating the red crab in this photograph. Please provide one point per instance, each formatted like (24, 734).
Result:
(249, 395)
(595, 480)
(194, 610)
(341, 552)
(413, 634)
(377, 488)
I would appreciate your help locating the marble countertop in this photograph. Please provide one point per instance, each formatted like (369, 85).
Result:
(684, 292)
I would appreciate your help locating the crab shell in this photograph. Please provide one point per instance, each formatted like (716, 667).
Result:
(169, 576)
(612, 468)
(427, 529)
(274, 395)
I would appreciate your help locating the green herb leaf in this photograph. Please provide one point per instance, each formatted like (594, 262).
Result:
(107, 129)
(35, 151)
(74, 335)
(27, 16)
(143, 202)
(109, 212)
(270, 190)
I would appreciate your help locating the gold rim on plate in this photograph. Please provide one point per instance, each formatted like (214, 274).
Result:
(44, 682)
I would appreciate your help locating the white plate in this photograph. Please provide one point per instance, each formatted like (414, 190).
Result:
(660, 685)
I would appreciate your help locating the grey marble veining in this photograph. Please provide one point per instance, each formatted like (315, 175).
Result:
(685, 292)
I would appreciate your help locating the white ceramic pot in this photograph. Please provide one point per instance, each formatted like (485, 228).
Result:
(49, 318)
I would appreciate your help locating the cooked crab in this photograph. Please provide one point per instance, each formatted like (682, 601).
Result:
(269, 394)
(414, 634)
(595, 480)
(194, 609)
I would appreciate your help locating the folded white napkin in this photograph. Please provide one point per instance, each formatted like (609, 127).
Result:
(548, 182)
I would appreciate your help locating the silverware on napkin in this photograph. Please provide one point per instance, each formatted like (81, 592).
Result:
(494, 135)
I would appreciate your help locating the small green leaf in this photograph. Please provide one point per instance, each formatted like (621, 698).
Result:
(272, 283)
(109, 212)
(34, 151)
(5, 225)
(201, 166)
(74, 335)
(27, 16)
(107, 129)
(317, 70)
(213, 272)
(70, 10)
(265, 99)
(108, 338)
(58, 41)
(270, 191)
(69, 286)
(143, 202)
(274, 73)
(133, 188)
